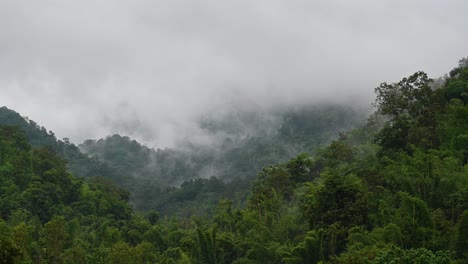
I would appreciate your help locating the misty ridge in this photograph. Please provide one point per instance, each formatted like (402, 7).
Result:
(234, 147)
(227, 152)
(151, 70)
(234, 132)
(295, 129)
(255, 187)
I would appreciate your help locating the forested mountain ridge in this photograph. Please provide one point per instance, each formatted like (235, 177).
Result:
(79, 164)
(394, 190)
(48, 210)
(242, 144)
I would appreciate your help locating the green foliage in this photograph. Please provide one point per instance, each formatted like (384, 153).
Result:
(8, 250)
(245, 150)
(308, 251)
(415, 221)
(394, 190)
(78, 163)
(41, 206)
(336, 198)
(418, 255)
(461, 245)
(412, 96)
(207, 245)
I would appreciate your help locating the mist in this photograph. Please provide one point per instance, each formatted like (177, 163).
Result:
(153, 70)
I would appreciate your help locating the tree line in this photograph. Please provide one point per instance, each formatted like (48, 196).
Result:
(394, 190)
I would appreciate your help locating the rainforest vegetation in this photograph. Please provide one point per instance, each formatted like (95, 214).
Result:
(393, 189)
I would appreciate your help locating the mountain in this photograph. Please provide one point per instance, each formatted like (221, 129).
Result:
(236, 156)
(78, 163)
(247, 143)
(43, 207)
(392, 190)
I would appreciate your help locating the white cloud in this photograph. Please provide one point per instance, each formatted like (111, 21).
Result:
(86, 69)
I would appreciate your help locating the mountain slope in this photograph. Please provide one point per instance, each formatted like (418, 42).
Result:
(237, 158)
(390, 193)
(79, 164)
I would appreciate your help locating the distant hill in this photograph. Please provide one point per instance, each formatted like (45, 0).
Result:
(236, 156)
(79, 164)
(152, 176)
(392, 190)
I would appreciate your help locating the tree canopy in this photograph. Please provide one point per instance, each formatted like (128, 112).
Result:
(393, 190)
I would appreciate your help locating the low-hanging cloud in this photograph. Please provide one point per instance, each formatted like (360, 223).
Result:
(150, 69)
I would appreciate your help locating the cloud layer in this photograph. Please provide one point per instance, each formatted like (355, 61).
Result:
(149, 69)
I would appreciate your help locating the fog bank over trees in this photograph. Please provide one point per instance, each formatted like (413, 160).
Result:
(151, 70)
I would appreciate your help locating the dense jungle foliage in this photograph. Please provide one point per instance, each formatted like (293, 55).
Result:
(205, 173)
(241, 144)
(394, 190)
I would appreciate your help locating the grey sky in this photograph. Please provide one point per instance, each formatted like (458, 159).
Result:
(148, 69)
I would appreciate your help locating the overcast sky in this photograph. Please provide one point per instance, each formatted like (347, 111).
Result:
(148, 69)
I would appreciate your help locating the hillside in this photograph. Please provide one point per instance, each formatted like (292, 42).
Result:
(393, 190)
(241, 145)
(45, 210)
(78, 164)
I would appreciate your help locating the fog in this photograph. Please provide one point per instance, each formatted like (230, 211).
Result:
(153, 69)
